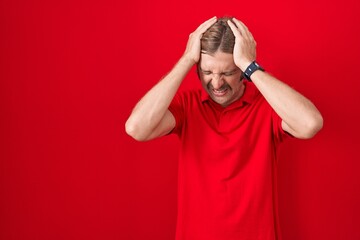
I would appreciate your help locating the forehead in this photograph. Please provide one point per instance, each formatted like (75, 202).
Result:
(219, 61)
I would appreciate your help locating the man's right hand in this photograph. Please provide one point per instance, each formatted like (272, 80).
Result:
(193, 46)
(151, 118)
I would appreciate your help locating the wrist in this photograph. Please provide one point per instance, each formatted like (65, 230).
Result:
(244, 65)
(187, 59)
(252, 68)
(185, 63)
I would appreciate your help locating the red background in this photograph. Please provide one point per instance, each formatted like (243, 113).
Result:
(71, 71)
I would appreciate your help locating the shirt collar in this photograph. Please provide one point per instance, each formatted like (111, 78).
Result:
(248, 96)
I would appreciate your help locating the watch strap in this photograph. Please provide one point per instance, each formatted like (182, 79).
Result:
(253, 67)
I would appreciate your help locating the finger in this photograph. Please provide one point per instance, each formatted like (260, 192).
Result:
(214, 18)
(234, 29)
(240, 24)
(242, 28)
(205, 25)
(252, 37)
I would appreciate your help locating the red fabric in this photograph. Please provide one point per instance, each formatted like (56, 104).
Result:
(227, 167)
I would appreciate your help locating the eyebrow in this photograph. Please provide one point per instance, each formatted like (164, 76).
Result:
(203, 70)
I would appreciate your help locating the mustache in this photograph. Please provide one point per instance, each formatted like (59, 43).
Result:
(223, 87)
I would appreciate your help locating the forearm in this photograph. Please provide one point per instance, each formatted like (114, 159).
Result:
(300, 116)
(150, 110)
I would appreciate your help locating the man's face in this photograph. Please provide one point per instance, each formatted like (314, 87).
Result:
(220, 77)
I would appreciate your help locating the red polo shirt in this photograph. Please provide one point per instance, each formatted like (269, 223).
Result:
(227, 167)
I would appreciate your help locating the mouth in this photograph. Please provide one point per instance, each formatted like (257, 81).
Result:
(219, 92)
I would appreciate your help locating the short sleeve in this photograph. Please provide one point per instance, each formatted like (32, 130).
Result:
(177, 109)
(279, 133)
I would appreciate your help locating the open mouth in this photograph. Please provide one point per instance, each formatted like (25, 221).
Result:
(220, 92)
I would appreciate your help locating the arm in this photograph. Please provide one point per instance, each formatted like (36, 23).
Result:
(299, 116)
(151, 118)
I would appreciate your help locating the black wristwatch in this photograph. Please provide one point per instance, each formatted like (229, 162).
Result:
(254, 66)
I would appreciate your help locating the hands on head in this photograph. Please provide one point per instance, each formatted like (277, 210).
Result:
(244, 51)
(245, 45)
(193, 46)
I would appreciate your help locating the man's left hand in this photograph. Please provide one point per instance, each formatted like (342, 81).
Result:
(245, 45)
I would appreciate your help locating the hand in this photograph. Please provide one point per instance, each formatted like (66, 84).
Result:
(245, 45)
(193, 46)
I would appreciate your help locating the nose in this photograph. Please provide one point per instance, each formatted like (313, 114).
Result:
(217, 81)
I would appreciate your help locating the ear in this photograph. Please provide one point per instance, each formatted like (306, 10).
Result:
(242, 77)
(198, 66)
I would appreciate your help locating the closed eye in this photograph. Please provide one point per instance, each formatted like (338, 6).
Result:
(228, 74)
(206, 72)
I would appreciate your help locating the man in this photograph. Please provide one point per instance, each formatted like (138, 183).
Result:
(229, 133)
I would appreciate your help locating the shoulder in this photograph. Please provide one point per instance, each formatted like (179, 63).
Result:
(189, 97)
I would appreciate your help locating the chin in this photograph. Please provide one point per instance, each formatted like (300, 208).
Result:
(222, 102)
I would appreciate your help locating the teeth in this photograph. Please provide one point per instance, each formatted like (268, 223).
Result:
(219, 91)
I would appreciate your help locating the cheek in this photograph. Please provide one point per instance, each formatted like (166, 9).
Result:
(204, 83)
(235, 84)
